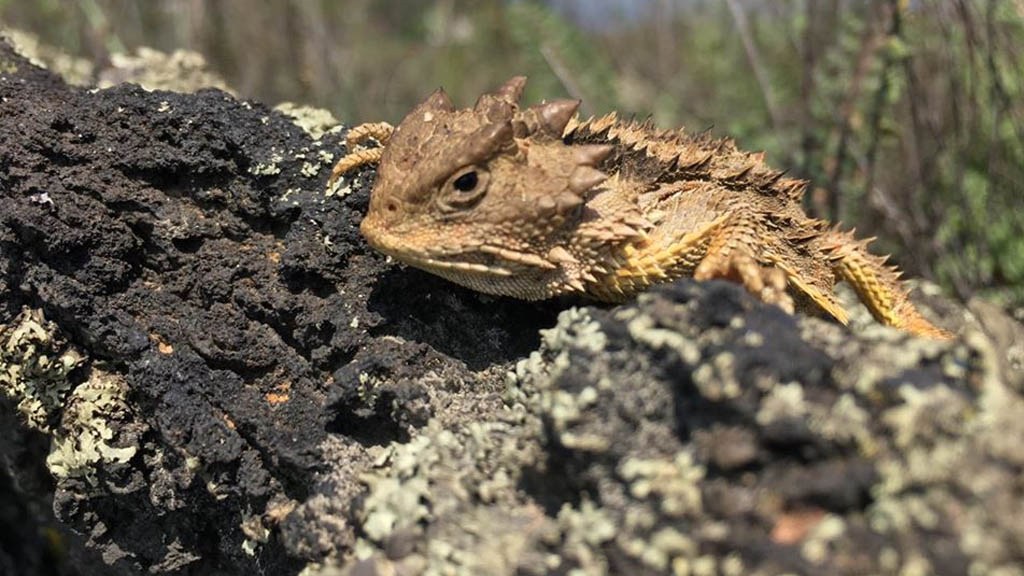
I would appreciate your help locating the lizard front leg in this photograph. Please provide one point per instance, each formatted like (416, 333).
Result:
(379, 131)
(730, 256)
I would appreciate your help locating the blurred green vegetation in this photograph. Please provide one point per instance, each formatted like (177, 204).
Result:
(907, 116)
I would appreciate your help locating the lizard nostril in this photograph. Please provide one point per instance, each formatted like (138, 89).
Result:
(391, 207)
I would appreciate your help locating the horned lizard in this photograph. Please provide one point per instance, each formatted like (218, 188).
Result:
(537, 202)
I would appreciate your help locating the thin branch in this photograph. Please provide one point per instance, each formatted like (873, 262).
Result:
(960, 121)
(754, 59)
(808, 51)
(869, 46)
(561, 71)
(1000, 95)
(922, 159)
(998, 103)
(881, 97)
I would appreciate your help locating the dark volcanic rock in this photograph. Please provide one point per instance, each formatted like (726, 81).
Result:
(223, 307)
(204, 370)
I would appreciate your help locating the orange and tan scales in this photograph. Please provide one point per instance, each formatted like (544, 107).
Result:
(535, 202)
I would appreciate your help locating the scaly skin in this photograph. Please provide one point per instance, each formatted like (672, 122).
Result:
(534, 203)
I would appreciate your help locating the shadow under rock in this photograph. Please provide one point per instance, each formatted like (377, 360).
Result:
(477, 329)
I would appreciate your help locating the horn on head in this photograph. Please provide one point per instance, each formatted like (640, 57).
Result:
(512, 90)
(438, 101)
(550, 118)
(483, 143)
(501, 103)
(495, 135)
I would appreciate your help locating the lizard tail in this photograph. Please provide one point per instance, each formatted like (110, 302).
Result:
(877, 284)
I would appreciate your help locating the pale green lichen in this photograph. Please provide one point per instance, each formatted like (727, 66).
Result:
(34, 365)
(674, 485)
(643, 329)
(315, 121)
(443, 474)
(309, 169)
(666, 547)
(86, 436)
(566, 408)
(74, 71)
(845, 422)
(394, 504)
(270, 168)
(717, 379)
(782, 402)
(585, 530)
(576, 328)
(341, 188)
(817, 544)
(530, 385)
(179, 71)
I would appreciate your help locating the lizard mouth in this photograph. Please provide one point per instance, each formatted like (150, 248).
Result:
(442, 266)
(475, 261)
(429, 258)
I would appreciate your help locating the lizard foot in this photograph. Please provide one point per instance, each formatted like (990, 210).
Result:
(379, 131)
(766, 282)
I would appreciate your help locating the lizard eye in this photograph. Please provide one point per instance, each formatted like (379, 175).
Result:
(467, 182)
(464, 188)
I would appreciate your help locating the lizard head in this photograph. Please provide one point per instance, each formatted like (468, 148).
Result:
(486, 196)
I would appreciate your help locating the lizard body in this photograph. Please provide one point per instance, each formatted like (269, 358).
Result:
(535, 202)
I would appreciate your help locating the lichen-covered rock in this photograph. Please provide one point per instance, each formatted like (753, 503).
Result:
(190, 320)
(700, 432)
(716, 434)
(181, 71)
(74, 71)
(203, 369)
